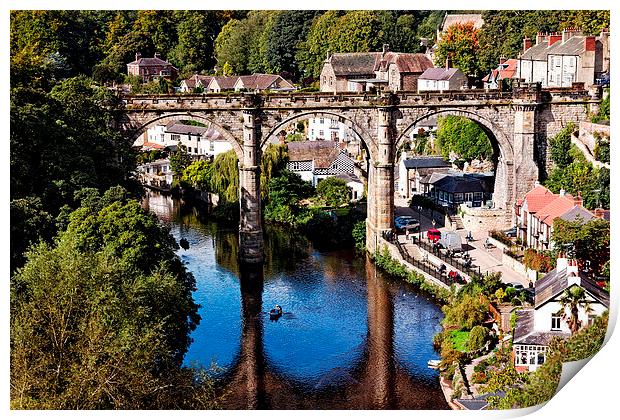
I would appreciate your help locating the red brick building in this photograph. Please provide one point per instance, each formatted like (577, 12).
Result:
(150, 68)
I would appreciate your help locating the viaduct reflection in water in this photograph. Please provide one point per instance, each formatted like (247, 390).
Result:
(376, 382)
(349, 338)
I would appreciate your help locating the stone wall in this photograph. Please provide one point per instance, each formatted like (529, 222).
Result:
(587, 132)
(482, 219)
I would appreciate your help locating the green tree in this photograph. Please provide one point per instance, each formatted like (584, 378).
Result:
(334, 191)
(196, 32)
(466, 312)
(312, 51)
(477, 337)
(560, 146)
(179, 160)
(289, 28)
(273, 162)
(101, 320)
(460, 44)
(285, 193)
(225, 177)
(590, 240)
(231, 47)
(463, 137)
(357, 31)
(571, 301)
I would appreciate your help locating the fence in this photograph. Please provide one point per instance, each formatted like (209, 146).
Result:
(444, 255)
(425, 266)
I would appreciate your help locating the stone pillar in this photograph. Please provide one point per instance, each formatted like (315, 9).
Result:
(250, 226)
(381, 178)
(525, 173)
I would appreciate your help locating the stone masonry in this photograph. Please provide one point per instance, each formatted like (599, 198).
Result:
(518, 124)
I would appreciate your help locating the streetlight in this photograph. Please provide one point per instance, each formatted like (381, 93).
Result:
(419, 223)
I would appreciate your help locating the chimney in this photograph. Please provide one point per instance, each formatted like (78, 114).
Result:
(327, 55)
(540, 37)
(561, 263)
(562, 192)
(590, 43)
(386, 48)
(156, 55)
(578, 201)
(502, 59)
(599, 213)
(448, 62)
(536, 184)
(572, 272)
(527, 44)
(553, 38)
(138, 56)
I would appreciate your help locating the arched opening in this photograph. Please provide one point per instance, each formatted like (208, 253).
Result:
(474, 194)
(169, 143)
(330, 152)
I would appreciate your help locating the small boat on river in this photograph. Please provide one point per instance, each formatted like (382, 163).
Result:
(434, 364)
(276, 312)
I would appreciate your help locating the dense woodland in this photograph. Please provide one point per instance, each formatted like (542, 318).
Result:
(101, 307)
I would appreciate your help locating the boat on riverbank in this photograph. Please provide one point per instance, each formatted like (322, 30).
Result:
(434, 364)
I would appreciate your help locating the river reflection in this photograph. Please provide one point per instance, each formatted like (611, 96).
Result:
(349, 337)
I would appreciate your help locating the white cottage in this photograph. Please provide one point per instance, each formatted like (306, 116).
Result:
(536, 327)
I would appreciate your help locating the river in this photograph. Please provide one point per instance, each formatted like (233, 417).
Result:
(349, 338)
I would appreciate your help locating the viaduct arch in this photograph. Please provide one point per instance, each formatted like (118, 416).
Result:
(519, 121)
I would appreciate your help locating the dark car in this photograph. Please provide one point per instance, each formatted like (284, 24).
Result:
(512, 232)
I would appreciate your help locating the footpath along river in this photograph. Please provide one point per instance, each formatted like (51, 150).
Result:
(349, 338)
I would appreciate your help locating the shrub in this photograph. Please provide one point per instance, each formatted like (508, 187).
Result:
(501, 237)
(477, 337)
(537, 261)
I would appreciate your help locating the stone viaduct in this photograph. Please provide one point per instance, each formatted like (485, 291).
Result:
(518, 124)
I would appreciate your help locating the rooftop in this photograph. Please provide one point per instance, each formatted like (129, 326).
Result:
(555, 282)
(439, 73)
(322, 152)
(426, 162)
(462, 19)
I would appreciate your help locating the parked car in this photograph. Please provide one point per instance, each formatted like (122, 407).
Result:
(517, 286)
(512, 232)
(433, 235)
(409, 222)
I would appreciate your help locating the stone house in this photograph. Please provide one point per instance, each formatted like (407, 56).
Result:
(536, 212)
(537, 326)
(506, 70)
(412, 171)
(196, 82)
(559, 60)
(149, 68)
(358, 72)
(438, 79)
(258, 82)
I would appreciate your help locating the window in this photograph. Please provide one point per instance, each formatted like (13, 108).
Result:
(458, 197)
(555, 322)
(211, 146)
(469, 197)
(558, 61)
(478, 196)
(175, 137)
(321, 134)
(322, 121)
(195, 150)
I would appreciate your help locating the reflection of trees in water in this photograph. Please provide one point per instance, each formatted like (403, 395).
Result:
(284, 248)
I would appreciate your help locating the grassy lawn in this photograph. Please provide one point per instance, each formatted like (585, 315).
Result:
(459, 340)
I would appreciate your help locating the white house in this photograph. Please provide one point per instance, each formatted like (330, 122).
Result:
(258, 82)
(156, 174)
(558, 60)
(353, 182)
(316, 160)
(196, 82)
(437, 79)
(198, 141)
(321, 128)
(536, 212)
(535, 328)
